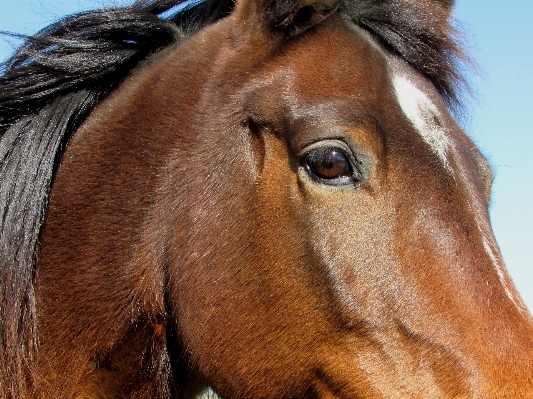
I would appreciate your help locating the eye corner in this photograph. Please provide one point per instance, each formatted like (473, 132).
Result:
(253, 124)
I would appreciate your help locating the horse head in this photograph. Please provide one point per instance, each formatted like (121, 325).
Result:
(281, 206)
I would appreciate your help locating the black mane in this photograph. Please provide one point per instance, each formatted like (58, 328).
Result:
(58, 76)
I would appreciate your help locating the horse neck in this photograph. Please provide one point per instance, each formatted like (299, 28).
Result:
(94, 239)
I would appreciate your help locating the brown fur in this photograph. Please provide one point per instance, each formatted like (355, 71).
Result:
(185, 245)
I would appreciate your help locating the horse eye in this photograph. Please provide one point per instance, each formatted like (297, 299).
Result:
(328, 163)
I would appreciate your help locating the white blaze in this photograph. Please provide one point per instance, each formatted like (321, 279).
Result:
(424, 116)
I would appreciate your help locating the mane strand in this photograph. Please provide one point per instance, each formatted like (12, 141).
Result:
(26, 177)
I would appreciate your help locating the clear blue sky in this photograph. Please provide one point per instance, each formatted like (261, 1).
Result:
(500, 38)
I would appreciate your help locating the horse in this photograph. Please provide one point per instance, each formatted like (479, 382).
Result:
(250, 199)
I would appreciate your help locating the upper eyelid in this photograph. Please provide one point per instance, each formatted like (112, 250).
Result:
(336, 143)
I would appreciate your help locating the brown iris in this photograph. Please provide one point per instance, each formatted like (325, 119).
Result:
(328, 163)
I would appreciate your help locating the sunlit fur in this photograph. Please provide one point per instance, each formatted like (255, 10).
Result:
(160, 233)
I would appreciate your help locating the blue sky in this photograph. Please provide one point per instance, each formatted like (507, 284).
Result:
(499, 35)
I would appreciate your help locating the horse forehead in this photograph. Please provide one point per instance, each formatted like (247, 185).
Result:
(340, 59)
(323, 72)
